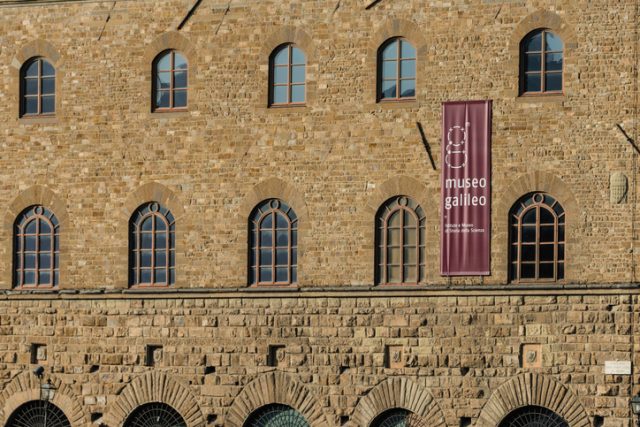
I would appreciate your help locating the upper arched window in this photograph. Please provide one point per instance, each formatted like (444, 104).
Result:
(170, 81)
(396, 70)
(537, 241)
(400, 242)
(276, 415)
(152, 237)
(287, 74)
(154, 414)
(273, 244)
(36, 248)
(533, 416)
(397, 417)
(37, 88)
(541, 57)
(38, 413)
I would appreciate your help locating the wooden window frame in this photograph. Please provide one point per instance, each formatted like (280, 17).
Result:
(39, 96)
(537, 201)
(272, 207)
(289, 84)
(387, 210)
(543, 72)
(398, 59)
(155, 211)
(39, 214)
(172, 89)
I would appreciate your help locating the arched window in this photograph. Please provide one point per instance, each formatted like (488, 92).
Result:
(36, 248)
(541, 53)
(170, 81)
(537, 241)
(287, 74)
(273, 244)
(400, 242)
(152, 237)
(37, 88)
(533, 416)
(398, 417)
(38, 413)
(155, 414)
(396, 70)
(276, 415)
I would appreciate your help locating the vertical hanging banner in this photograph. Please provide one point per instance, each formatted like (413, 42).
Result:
(465, 226)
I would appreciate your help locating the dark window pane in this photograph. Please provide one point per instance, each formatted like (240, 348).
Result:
(266, 238)
(146, 240)
(29, 278)
(31, 105)
(281, 221)
(390, 51)
(294, 256)
(389, 69)
(30, 243)
(30, 261)
(180, 79)
(282, 257)
(297, 74)
(561, 234)
(32, 69)
(280, 75)
(45, 243)
(45, 277)
(266, 274)
(161, 241)
(407, 88)
(162, 99)
(546, 233)
(45, 228)
(546, 253)
(180, 99)
(528, 253)
(410, 273)
(265, 256)
(393, 273)
(180, 62)
(561, 252)
(163, 80)
(532, 83)
(161, 275)
(161, 259)
(514, 252)
(280, 95)
(546, 271)
(560, 271)
(147, 224)
(47, 69)
(252, 275)
(388, 89)
(267, 222)
(546, 217)
(513, 271)
(528, 233)
(48, 85)
(297, 93)
(282, 238)
(145, 276)
(532, 62)
(48, 104)
(282, 274)
(553, 82)
(408, 68)
(533, 42)
(294, 238)
(294, 274)
(407, 50)
(553, 61)
(552, 41)
(145, 259)
(282, 56)
(31, 87)
(527, 271)
(31, 227)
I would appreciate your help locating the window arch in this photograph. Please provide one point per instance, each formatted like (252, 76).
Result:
(541, 63)
(398, 417)
(533, 416)
(537, 239)
(155, 414)
(276, 415)
(37, 88)
(273, 244)
(36, 248)
(396, 70)
(152, 237)
(400, 242)
(287, 75)
(38, 413)
(170, 81)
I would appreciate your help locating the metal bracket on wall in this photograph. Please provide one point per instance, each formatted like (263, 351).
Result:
(373, 3)
(628, 138)
(188, 15)
(427, 147)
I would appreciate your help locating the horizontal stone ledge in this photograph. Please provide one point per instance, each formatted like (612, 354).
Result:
(426, 291)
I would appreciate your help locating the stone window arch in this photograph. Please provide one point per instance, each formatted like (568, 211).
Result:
(287, 75)
(533, 416)
(38, 413)
(536, 239)
(400, 242)
(37, 88)
(170, 81)
(152, 232)
(155, 414)
(397, 58)
(398, 417)
(273, 244)
(36, 248)
(541, 63)
(274, 415)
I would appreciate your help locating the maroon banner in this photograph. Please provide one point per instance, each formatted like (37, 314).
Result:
(465, 226)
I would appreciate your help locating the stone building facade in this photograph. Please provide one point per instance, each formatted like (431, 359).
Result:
(334, 346)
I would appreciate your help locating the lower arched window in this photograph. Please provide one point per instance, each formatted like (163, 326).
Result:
(155, 414)
(398, 417)
(533, 416)
(276, 415)
(536, 239)
(152, 240)
(38, 413)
